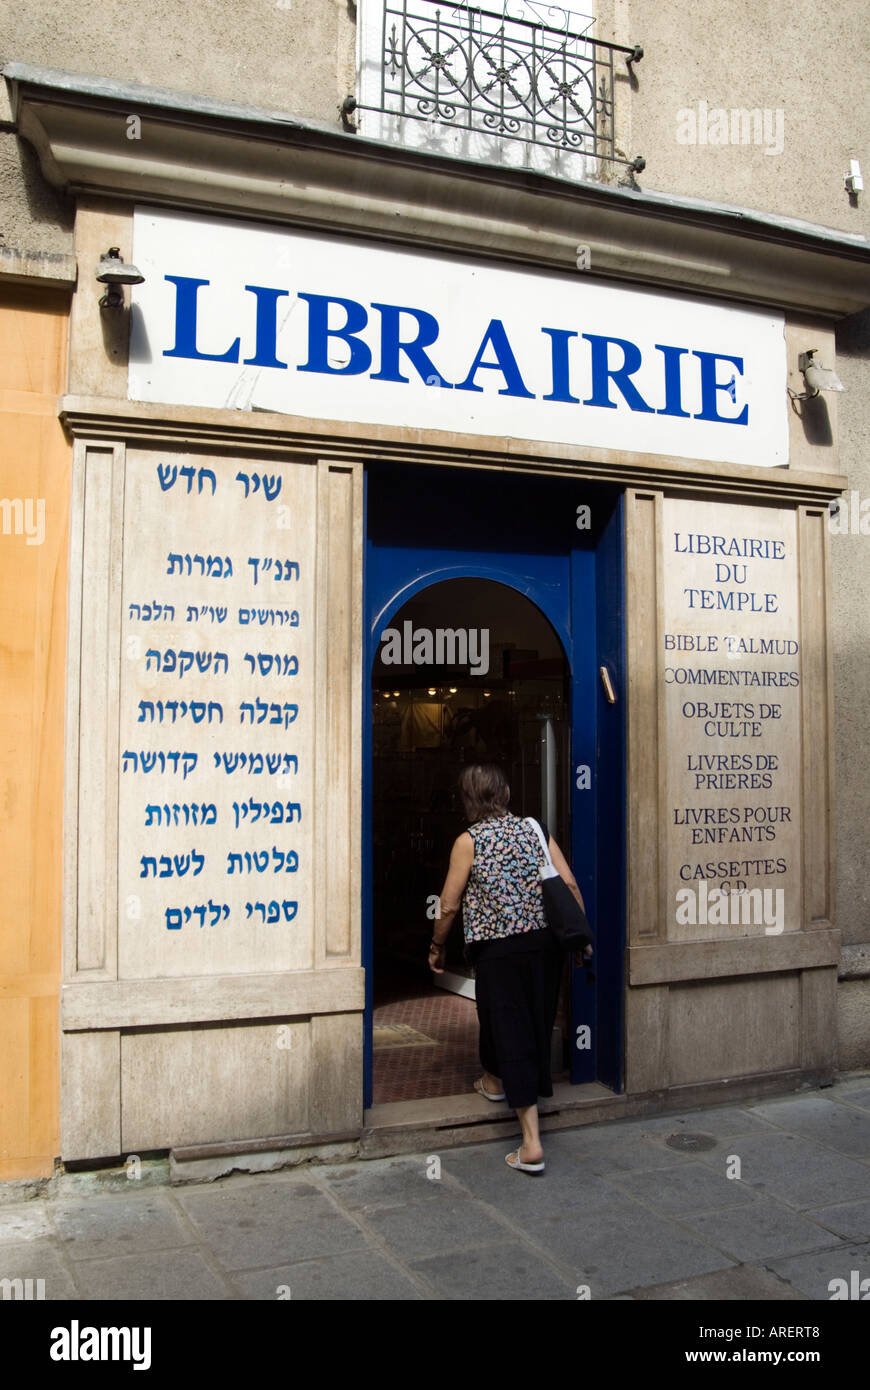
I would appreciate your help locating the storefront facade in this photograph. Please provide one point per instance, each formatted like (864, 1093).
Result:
(351, 374)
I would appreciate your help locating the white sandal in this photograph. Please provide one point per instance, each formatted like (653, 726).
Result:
(536, 1168)
(482, 1091)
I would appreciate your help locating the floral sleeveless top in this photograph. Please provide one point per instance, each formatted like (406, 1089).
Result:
(503, 893)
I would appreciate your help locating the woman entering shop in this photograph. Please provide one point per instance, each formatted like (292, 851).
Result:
(494, 876)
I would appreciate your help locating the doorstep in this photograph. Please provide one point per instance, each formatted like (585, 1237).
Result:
(407, 1126)
(412, 1126)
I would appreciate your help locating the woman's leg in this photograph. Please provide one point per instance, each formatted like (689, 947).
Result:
(486, 1045)
(507, 1039)
(546, 986)
(530, 1149)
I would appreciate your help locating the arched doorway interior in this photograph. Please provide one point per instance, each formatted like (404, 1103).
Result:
(467, 670)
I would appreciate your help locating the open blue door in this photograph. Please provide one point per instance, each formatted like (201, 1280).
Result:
(598, 797)
(432, 527)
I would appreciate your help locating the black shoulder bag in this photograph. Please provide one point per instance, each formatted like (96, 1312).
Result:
(565, 917)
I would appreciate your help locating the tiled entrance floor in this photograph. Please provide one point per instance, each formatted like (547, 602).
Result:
(416, 1072)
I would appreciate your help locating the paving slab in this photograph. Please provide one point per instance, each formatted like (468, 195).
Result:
(421, 1229)
(849, 1219)
(690, 1187)
(506, 1272)
(625, 1248)
(721, 1121)
(611, 1148)
(25, 1221)
(36, 1259)
(836, 1126)
(387, 1182)
(812, 1274)
(763, 1230)
(726, 1285)
(567, 1183)
(265, 1222)
(164, 1275)
(107, 1226)
(796, 1170)
(366, 1275)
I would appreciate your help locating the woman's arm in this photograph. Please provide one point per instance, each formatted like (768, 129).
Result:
(560, 864)
(461, 859)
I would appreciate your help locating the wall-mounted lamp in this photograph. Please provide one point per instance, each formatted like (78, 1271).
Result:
(853, 181)
(817, 377)
(114, 273)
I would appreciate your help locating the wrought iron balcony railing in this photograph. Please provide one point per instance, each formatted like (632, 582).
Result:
(471, 69)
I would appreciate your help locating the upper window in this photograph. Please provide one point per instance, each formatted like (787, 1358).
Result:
(526, 86)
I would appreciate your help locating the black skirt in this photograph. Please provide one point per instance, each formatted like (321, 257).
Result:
(517, 982)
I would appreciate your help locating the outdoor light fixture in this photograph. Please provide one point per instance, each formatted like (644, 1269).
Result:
(817, 377)
(853, 181)
(114, 273)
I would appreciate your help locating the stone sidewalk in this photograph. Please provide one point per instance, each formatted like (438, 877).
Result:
(637, 1209)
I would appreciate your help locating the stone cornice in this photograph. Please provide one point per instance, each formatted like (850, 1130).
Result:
(231, 159)
(291, 436)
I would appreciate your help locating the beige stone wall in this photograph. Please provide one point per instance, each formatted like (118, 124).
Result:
(750, 56)
(277, 54)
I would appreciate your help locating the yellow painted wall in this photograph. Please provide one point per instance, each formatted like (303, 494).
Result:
(34, 463)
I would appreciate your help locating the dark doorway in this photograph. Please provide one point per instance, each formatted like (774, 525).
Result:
(537, 560)
(429, 719)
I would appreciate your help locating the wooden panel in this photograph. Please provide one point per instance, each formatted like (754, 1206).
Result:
(818, 1011)
(817, 717)
(34, 479)
(646, 1032)
(336, 1072)
(704, 960)
(33, 345)
(646, 917)
(339, 621)
(95, 669)
(150, 1003)
(90, 1095)
(15, 1095)
(733, 1027)
(162, 1108)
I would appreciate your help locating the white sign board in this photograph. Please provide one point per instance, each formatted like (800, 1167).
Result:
(732, 666)
(217, 680)
(244, 316)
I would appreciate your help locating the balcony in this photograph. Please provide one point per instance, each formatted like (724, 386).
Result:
(491, 85)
